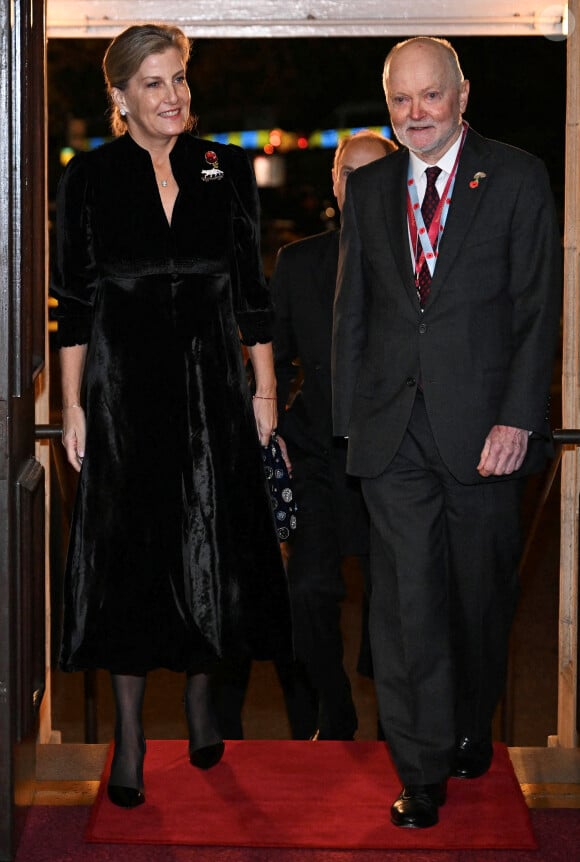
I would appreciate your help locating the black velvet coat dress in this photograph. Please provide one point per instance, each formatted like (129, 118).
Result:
(173, 558)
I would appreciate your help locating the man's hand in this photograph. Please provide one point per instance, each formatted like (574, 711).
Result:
(504, 451)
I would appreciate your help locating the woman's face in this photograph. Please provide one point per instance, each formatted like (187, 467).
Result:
(156, 99)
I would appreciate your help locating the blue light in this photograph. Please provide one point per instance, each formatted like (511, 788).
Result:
(329, 138)
(250, 140)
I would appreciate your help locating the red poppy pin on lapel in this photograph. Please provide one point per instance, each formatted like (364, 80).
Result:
(213, 172)
(480, 175)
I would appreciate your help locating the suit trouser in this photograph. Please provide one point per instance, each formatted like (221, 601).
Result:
(444, 560)
(316, 592)
(229, 687)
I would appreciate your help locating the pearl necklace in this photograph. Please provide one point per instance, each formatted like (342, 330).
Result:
(163, 183)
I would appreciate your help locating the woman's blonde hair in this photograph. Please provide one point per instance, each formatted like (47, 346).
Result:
(128, 50)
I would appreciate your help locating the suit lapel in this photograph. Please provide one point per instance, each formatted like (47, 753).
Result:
(329, 266)
(465, 203)
(394, 196)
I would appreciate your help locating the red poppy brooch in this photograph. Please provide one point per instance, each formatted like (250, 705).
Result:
(480, 175)
(213, 172)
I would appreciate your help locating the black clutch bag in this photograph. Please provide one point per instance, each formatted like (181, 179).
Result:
(281, 492)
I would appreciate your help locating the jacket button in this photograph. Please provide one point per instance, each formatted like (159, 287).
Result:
(422, 328)
(410, 381)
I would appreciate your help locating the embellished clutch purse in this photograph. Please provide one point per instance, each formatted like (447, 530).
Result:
(281, 492)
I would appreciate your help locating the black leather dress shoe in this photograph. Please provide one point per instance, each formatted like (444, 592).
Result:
(125, 797)
(208, 756)
(417, 805)
(472, 757)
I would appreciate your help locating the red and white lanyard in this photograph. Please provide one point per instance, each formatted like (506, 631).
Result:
(429, 239)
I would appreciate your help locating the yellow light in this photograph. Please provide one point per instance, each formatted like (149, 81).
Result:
(66, 155)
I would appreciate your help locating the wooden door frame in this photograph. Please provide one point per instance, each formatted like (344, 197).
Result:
(23, 234)
(23, 226)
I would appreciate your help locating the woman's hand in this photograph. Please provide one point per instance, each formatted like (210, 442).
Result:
(266, 416)
(73, 434)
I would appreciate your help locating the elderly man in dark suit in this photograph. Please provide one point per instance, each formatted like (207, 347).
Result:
(446, 321)
(332, 518)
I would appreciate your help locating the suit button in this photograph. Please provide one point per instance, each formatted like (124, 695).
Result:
(410, 381)
(422, 328)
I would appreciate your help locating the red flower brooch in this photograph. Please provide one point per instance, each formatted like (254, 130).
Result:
(480, 175)
(213, 172)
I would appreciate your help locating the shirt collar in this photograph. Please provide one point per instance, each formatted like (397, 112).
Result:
(446, 162)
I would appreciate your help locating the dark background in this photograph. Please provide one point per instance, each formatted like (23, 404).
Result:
(518, 95)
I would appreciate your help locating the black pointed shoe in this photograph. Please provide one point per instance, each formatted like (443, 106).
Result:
(125, 797)
(417, 805)
(472, 757)
(207, 756)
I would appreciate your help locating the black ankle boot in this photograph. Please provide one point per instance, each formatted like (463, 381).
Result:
(125, 787)
(125, 797)
(207, 756)
(120, 794)
(206, 747)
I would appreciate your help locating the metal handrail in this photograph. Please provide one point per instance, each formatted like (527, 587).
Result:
(46, 432)
(566, 436)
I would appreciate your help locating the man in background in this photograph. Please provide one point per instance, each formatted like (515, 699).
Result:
(332, 517)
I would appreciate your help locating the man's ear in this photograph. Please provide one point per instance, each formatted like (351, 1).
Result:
(463, 95)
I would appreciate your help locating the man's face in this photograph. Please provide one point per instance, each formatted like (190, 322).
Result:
(424, 100)
(355, 155)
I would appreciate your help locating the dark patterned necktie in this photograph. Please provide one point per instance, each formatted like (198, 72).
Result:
(428, 208)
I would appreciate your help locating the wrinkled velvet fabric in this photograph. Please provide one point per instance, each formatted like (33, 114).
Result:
(173, 558)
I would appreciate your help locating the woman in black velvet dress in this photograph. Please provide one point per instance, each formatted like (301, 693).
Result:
(173, 560)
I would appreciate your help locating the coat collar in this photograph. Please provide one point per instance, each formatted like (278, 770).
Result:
(394, 195)
(476, 157)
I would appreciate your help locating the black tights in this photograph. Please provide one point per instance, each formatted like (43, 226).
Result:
(129, 693)
(127, 766)
(201, 721)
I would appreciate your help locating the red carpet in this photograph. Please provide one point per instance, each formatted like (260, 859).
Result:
(55, 834)
(333, 795)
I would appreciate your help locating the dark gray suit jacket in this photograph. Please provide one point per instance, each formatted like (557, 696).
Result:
(483, 345)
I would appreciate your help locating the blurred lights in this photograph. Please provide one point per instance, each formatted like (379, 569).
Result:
(327, 139)
(267, 140)
(275, 137)
(66, 155)
(270, 171)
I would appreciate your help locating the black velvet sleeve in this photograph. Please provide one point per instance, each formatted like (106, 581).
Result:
(73, 275)
(253, 307)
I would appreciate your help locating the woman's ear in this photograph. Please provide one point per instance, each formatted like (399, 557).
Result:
(118, 97)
